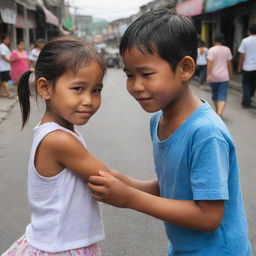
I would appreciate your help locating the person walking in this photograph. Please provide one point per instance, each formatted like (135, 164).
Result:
(19, 63)
(219, 71)
(201, 62)
(247, 64)
(5, 67)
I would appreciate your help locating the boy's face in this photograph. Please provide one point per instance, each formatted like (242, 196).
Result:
(150, 80)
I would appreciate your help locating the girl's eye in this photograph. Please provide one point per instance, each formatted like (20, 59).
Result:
(79, 89)
(97, 90)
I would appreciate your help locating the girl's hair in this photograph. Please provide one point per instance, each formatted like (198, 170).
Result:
(61, 55)
(162, 31)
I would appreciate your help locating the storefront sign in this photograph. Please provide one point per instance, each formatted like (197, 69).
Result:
(190, 7)
(214, 5)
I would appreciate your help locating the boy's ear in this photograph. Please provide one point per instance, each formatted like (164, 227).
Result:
(44, 89)
(187, 65)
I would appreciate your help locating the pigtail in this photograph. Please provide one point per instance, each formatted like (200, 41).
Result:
(24, 95)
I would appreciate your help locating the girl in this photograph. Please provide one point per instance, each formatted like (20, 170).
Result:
(65, 219)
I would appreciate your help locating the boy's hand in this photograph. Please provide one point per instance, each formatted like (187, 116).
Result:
(108, 189)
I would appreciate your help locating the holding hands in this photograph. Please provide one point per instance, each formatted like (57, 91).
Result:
(109, 189)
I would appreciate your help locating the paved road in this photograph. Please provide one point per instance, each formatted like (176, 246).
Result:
(119, 135)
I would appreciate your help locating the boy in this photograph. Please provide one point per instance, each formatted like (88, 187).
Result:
(197, 191)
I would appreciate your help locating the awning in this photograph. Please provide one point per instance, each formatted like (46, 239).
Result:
(63, 31)
(20, 22)
(190, 7)
(28, 4)
(8, 10)
(50, 17)
(214, 5)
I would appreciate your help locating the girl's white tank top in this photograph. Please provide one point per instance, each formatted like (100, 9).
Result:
(64, 215)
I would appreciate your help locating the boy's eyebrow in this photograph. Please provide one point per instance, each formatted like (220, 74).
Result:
(142, 68)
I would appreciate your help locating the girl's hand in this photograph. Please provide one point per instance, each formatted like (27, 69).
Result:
(108, 189)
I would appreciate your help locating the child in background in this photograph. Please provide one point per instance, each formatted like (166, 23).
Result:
(201, 62)
(197, 191)
(65, 219)
(33, 55)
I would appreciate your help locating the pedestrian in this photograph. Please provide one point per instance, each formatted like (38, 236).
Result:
(247, 63)
(197, 191)
(65, 219)
(33, 55)
(19, 63)
(5, 67)
(201, 62)
(219, 71)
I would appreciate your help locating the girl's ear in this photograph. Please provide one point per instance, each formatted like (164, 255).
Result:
(44, 88)
(188, 66)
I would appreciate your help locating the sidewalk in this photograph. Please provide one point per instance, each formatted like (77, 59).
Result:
(7, 104)
(235, 84)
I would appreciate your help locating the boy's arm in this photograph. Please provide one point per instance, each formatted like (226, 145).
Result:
(150, 186)
(240, 62)
(209, 70)
(198, 215)
(230, 68)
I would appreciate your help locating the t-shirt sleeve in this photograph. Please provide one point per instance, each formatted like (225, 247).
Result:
(241, 48)
(230, 57)
(209, 55)
(210, 170)
(2, 51)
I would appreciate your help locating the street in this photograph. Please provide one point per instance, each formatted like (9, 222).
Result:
(119, 135)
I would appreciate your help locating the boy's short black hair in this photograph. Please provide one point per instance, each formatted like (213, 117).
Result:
(252, 28)
(164, 32)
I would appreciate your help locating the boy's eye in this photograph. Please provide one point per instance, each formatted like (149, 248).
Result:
(148, 74)
(77, 88)
(129, 75)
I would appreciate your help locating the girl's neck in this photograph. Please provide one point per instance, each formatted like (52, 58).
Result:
(50, 117)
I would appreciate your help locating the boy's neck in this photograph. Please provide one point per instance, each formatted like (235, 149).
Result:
(175, 114)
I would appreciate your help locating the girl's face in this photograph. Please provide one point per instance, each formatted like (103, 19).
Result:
(150, 80)
(21, 46)
(75, 97)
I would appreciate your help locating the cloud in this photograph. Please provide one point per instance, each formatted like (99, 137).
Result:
(108, 9)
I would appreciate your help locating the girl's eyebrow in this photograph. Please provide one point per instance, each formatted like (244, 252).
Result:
(84, 83)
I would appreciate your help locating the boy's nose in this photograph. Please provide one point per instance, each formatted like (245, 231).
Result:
(138, 86)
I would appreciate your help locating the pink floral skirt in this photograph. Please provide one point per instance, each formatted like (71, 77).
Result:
(22, 248)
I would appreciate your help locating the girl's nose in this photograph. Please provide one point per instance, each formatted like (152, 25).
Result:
(86, 99)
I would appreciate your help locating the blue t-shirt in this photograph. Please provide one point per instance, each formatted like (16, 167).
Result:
(198, 162)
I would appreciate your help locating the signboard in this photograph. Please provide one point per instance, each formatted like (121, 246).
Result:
(214, 5)
(190, 7)
(68, 23)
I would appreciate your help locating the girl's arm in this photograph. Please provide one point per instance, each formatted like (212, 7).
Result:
(150, 186)
(199, 215)
(59, 150)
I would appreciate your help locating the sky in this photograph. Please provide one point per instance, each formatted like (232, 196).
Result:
(108, 9)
